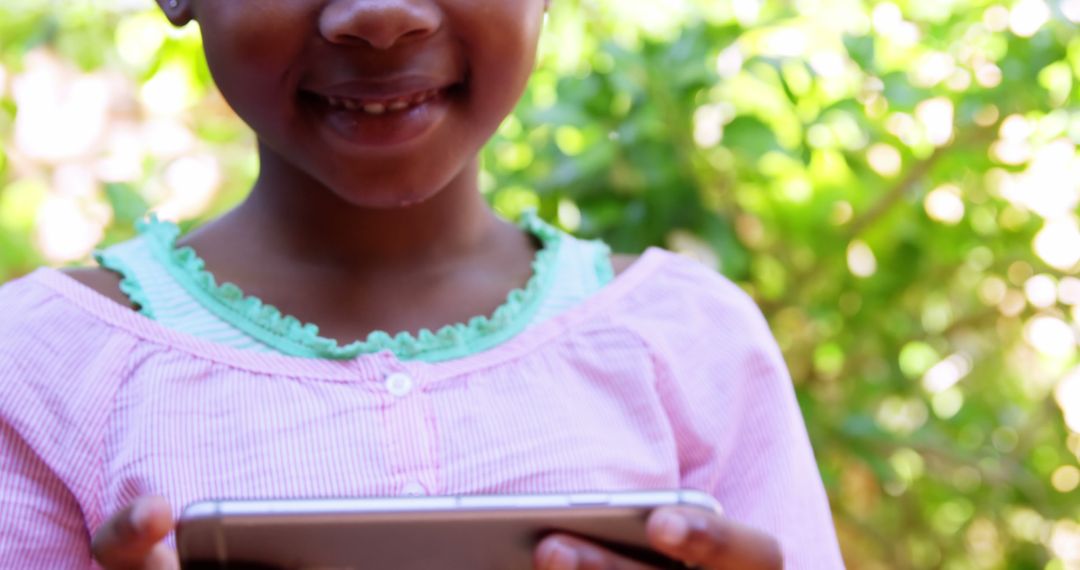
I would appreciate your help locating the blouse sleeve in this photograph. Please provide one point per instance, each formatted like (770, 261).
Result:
(58, 373)
(738, 427)
(42, 526)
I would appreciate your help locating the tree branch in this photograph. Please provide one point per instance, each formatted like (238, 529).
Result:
(902, 187)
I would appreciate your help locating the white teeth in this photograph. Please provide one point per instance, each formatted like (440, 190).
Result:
(375, 108)
(381, 108)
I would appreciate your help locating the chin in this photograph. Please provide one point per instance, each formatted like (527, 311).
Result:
(381, 198)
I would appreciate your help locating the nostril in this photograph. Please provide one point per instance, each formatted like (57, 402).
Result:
(416, 34)
(381, 25)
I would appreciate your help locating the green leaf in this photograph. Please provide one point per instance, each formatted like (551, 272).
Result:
(127, 204)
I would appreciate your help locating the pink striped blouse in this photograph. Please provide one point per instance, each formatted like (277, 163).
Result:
(667, 378)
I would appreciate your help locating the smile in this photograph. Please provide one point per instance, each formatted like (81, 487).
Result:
(382, 106)
(380, 117)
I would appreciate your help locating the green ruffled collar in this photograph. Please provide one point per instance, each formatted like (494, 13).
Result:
(290, 336)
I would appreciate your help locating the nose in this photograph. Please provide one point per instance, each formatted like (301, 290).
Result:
(382, 24)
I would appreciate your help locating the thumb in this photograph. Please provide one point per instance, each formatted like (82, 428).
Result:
(129, 539)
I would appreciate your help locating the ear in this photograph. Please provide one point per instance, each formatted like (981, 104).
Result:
(179, 12)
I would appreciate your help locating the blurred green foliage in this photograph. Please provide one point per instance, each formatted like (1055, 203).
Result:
(895, 183)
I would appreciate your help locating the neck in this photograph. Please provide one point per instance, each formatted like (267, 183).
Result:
(291, 215)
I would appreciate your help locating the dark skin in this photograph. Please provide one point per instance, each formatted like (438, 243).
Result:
(107, 284)
(383, 255)
(366, 220)
(386, 253)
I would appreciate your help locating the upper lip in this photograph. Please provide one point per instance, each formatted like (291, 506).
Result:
(381, 89)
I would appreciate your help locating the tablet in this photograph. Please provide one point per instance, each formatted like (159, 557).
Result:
(468, 532)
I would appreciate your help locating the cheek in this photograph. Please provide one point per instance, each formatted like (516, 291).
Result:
(501, 40)
(509, 31)
(250, 49)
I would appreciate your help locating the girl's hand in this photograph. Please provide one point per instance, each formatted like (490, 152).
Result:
(132, 538)
(699, 540)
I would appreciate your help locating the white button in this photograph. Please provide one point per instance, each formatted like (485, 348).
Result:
(414, 489)
(399, 384)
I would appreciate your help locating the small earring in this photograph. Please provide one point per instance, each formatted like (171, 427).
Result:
(174, 3)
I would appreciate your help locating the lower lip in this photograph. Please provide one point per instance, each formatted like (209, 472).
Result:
(389, 130)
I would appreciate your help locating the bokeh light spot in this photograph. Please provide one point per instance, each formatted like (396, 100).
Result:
(861, 260)
(916, 358)
(1051, 336)
(1067, 394)
(945, 374)
(1066, 478)
(937, 118)
(884, 159)
(945, 205)
(1028, 17)
(1041, 291)
(1058, 244)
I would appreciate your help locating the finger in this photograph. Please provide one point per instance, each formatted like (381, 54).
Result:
(129, 540)
(562, 552)
(162, 557)
(709, 541)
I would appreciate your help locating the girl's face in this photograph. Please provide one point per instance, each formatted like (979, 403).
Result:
(384, 102)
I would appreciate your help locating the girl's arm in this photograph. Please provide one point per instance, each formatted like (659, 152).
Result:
(59, 372)
(738, 429)
(41, 524)
(760, 465)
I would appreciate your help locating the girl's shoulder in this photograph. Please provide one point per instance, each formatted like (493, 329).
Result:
(660, 272)
(60, 368)
(53, 317)
(44, 302)
(621, 262)
(53, 348)
(675, 300)
(106, 283)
